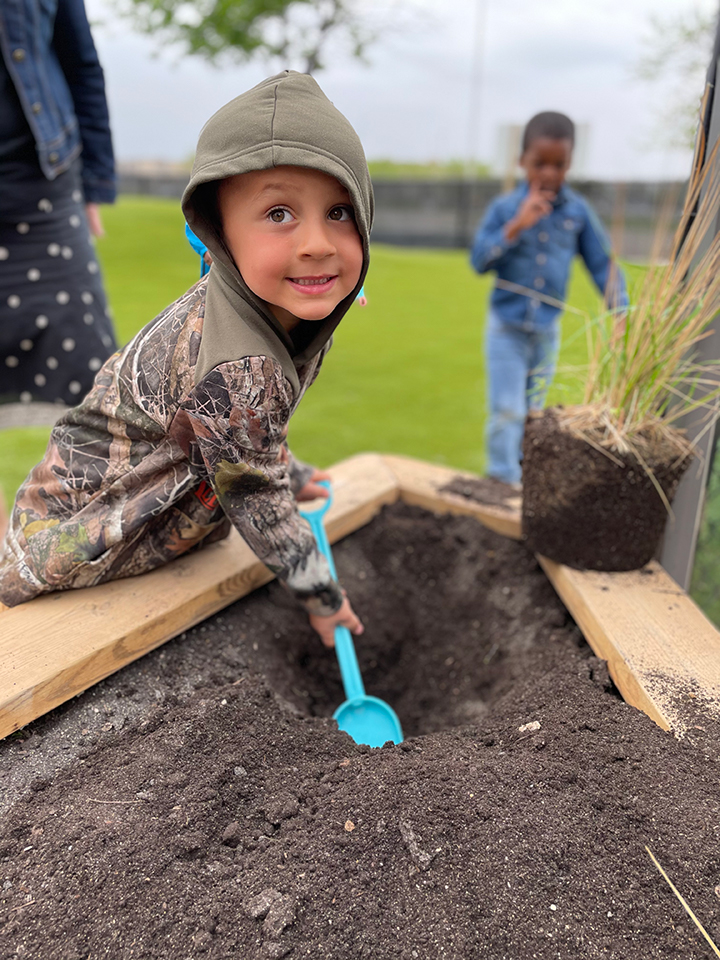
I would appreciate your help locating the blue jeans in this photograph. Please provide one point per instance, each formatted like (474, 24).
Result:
(521, 364)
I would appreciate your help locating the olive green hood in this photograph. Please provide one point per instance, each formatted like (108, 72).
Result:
(284, 121)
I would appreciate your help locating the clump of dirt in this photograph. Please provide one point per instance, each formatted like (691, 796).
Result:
(590, 508)
(234, 820)
(485, 490)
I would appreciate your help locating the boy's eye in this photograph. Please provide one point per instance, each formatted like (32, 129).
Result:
(280, 215)
(341, 213)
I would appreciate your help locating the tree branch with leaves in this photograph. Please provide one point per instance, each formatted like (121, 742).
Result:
(296, 32)
(677, 52)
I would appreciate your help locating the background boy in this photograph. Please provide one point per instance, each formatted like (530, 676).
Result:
(184, 431)
(529, 238)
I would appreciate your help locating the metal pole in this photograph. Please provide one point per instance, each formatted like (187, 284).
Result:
(681, 534)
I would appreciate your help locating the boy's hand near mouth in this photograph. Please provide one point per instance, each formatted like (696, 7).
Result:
(536, 205)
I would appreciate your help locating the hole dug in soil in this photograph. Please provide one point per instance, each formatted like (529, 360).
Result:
(452, 618)
(235, 821)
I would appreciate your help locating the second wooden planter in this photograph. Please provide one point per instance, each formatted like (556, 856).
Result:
(584, 509)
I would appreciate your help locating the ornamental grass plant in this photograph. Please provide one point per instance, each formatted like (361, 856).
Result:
(644, 373)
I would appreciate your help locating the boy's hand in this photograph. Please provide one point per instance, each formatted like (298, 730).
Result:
(536, 205)
(312, 490)
(345, 617)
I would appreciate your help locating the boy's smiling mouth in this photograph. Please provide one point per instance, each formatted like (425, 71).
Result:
(313, 284)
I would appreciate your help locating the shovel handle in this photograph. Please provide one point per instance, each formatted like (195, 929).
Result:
(344, 646)
(349, 667)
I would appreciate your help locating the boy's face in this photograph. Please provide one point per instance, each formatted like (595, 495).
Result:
(546, 162)
(292, 234)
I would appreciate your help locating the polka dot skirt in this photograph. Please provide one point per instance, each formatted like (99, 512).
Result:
(55, 329)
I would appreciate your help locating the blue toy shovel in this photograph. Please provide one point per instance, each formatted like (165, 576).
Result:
(368, 720)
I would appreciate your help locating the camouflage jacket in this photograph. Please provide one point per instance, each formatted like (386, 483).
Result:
(152, 465)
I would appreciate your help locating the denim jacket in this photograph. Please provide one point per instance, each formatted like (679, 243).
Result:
(539, 260)
(51, 57)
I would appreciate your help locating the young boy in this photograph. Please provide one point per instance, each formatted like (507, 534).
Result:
(529, 238)
(184, 431)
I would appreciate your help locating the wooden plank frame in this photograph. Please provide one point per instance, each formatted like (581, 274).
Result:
(662, 652)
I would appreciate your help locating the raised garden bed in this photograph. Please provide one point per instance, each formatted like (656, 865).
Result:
(197, 803)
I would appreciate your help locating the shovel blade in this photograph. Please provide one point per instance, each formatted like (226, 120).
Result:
(369, 720)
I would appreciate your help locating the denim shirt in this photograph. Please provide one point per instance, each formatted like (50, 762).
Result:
(51, 58)
(539, 259)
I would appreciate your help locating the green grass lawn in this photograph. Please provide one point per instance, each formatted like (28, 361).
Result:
(406, 373)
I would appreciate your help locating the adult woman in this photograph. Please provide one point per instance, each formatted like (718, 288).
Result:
(56, 165)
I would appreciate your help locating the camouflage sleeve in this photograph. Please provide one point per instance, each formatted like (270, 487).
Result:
(238, 415)
(298, 471)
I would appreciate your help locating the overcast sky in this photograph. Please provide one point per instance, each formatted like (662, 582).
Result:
(412, 102)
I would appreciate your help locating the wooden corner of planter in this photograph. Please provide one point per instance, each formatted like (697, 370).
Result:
(663, 654)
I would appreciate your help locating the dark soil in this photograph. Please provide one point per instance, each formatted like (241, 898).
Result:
(229, 821)
(582, 508)
(486, 490)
